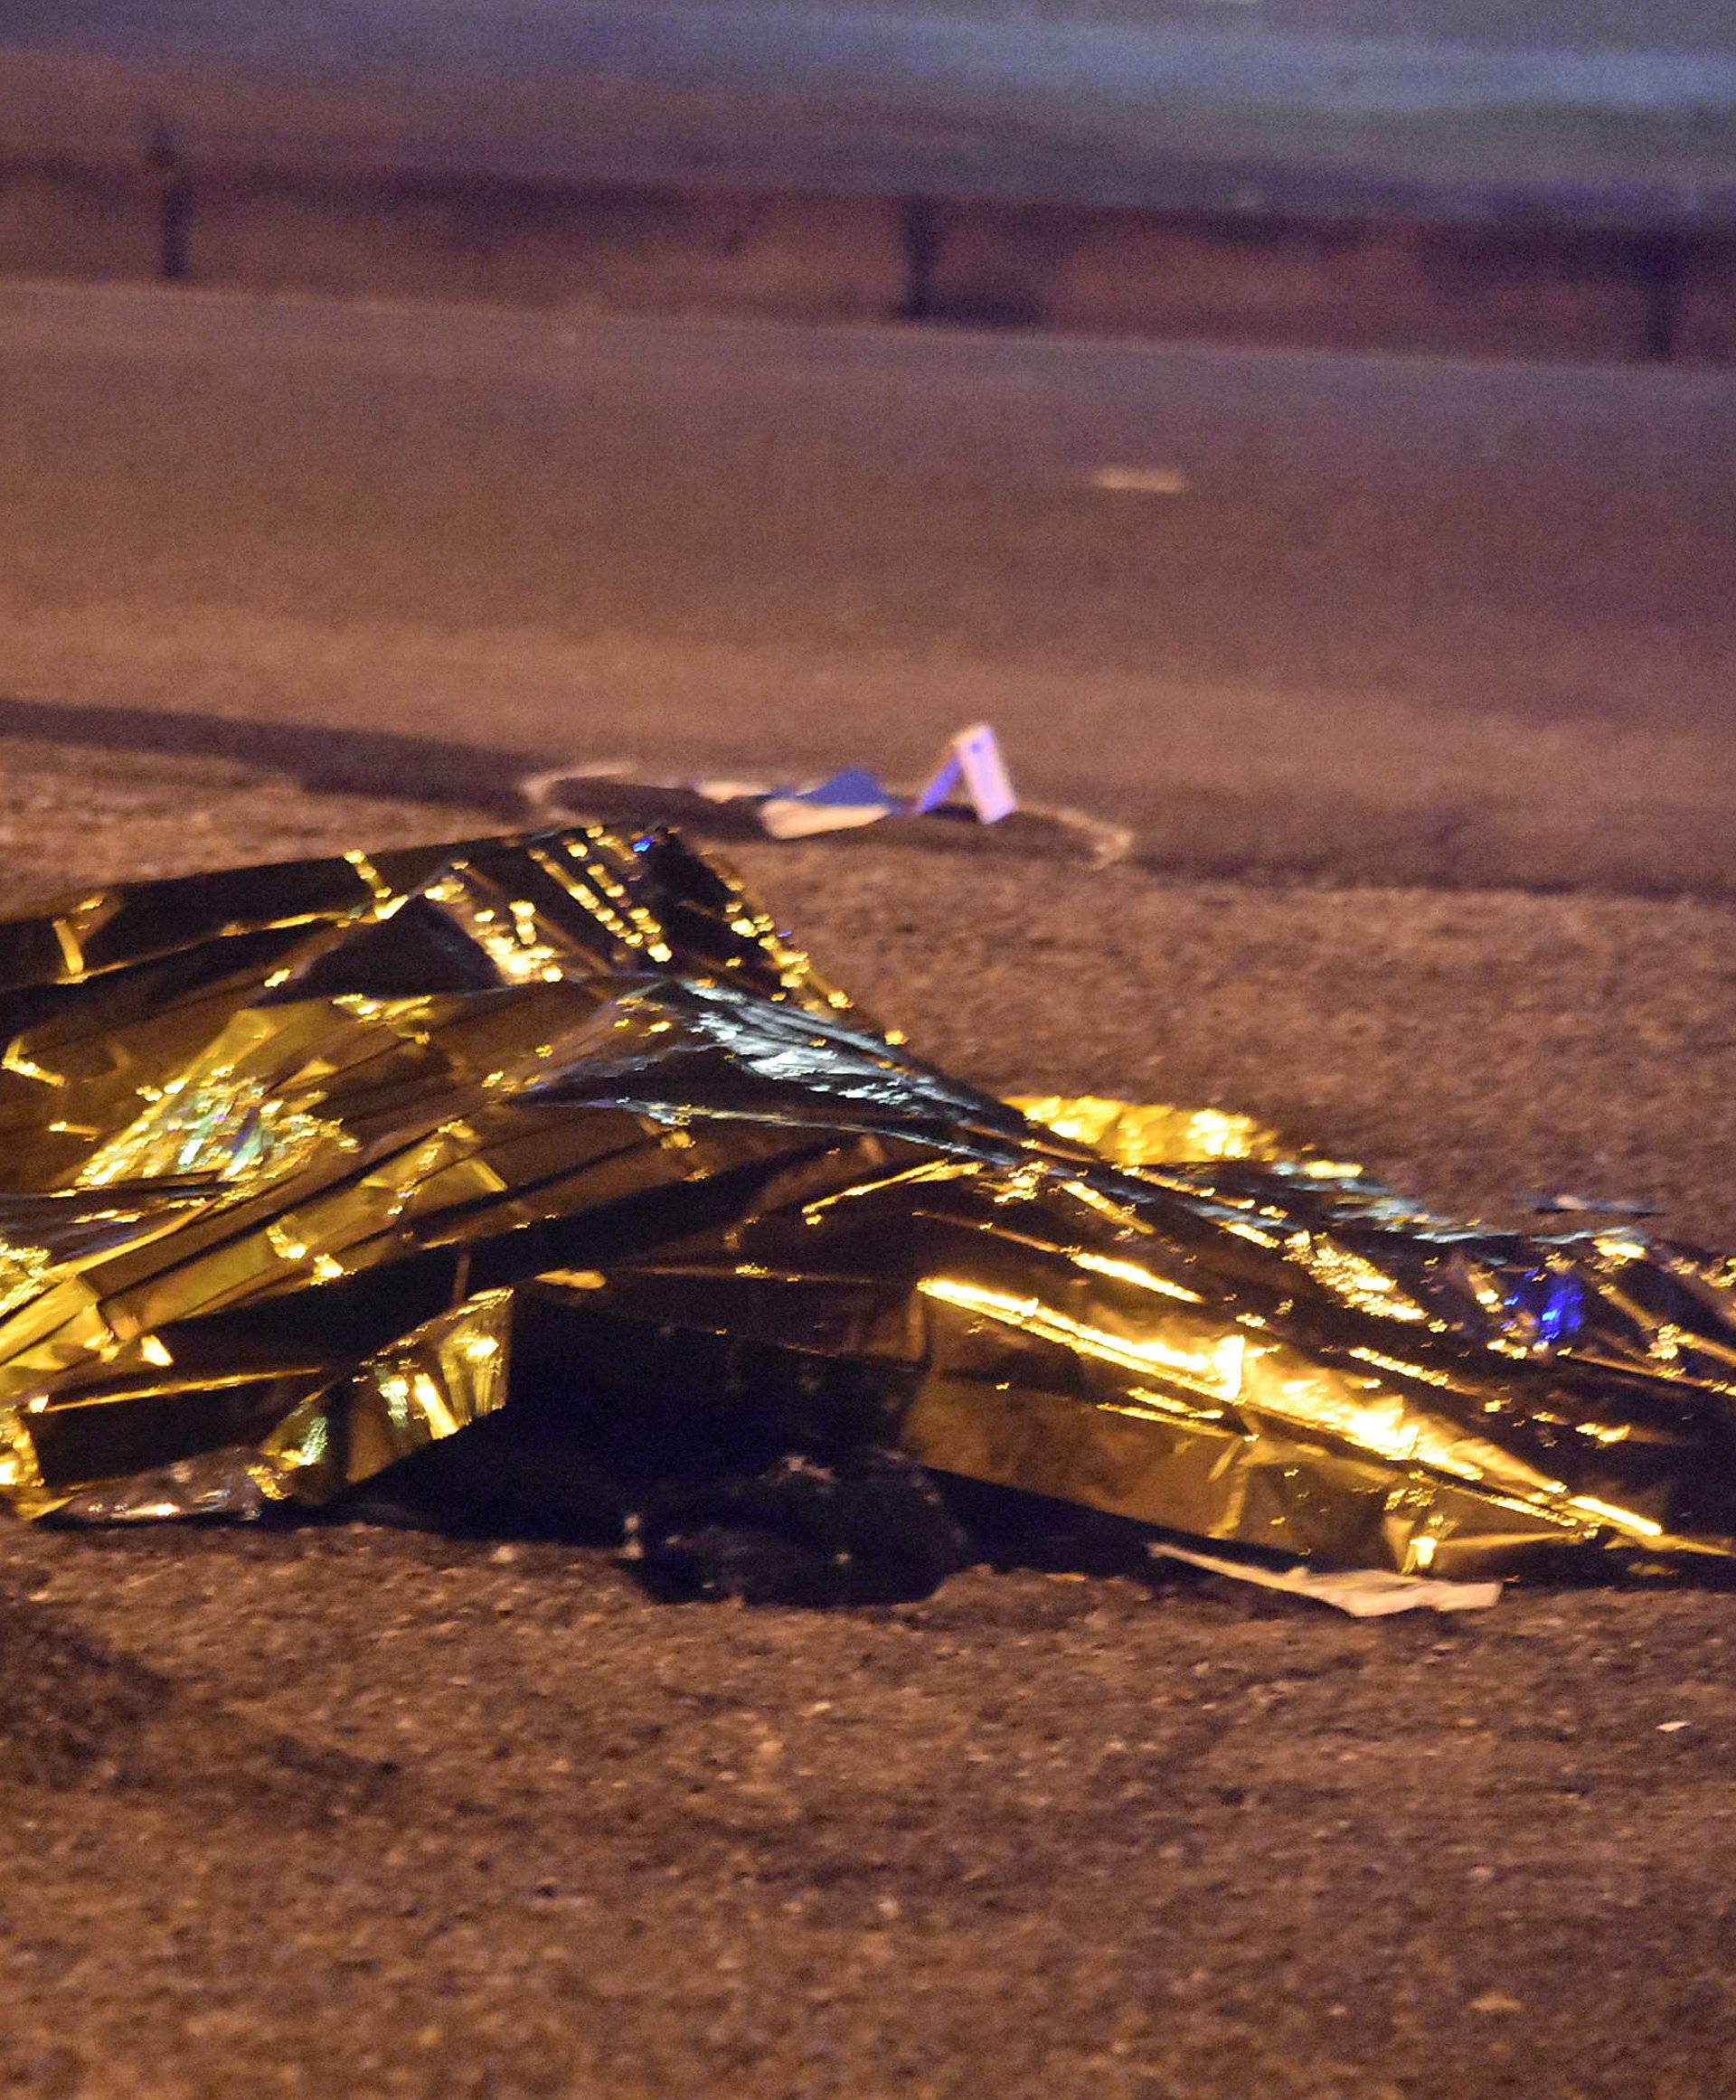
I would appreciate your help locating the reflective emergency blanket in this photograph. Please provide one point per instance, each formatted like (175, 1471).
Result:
(308, 1167)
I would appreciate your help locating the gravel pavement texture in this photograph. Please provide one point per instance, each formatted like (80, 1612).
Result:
(342, 1809)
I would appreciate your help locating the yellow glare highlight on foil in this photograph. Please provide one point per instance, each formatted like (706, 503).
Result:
(431, 1401)
(1143, 1405)
(1215, 1371)
(72, 950)
(26, 1273)
(1626, 1520)
(1385, 1425)
(1130, 1272)
(1155, 1134)
(1424, 1371)
(382, 889)
(17, 1061)
(1351, 1276)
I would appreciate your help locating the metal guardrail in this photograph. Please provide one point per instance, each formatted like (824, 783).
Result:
(805, 97)
(955, 169)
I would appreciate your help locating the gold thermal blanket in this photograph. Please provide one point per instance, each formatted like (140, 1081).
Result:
(306, 1168)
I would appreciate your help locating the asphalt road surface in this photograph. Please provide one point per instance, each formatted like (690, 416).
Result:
(1370, 620)
(339, 1808)
(344, 1809)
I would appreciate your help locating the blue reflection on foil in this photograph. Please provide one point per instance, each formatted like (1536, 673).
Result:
(1548, 1305)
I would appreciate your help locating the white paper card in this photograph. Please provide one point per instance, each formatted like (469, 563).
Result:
(972, 761)
(1365, 1593)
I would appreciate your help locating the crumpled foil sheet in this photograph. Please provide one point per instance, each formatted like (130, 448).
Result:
(309, 1168)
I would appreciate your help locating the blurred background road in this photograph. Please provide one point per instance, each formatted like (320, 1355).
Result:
(1379, 620)
(1617, 111)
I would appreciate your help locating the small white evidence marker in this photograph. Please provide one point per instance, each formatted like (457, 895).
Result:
(971, 764)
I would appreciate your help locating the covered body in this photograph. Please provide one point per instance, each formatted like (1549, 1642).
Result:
(309, 1167)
